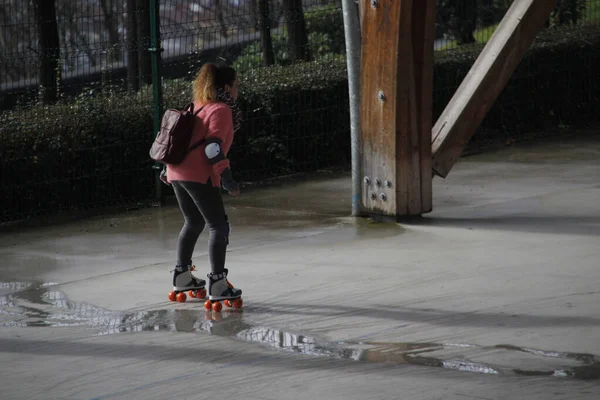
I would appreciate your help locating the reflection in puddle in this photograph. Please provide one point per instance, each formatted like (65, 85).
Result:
(26, 305)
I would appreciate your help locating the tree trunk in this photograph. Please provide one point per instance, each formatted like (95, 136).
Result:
(145, 63)
(48, 50)
(574, 11)
(111, 26)
(296, 26)
(466, 11)
(264, 27)
(132, 47)
(220, 18)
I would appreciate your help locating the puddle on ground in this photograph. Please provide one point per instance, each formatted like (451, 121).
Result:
(26, 304)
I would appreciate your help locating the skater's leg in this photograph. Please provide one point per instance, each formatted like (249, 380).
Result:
(209, 201)
(193, 226)
(188, 236)
(217, 245)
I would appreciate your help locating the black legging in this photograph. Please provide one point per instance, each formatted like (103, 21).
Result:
(201, 204)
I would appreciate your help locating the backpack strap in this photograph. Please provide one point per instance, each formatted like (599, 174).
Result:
(190, 107)
(200, 142)
(197, 112)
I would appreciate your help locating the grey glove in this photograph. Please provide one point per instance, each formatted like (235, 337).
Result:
(227, 181)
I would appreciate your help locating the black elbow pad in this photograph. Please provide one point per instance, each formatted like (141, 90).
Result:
(214, 152)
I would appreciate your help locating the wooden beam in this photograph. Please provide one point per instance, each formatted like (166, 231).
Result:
(424, 15)
(396, 106)
(486, 80)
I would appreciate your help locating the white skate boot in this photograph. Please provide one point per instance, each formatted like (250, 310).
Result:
(183, 281)
(219, 288)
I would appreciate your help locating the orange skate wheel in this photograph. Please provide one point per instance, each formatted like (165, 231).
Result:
(201, 294)
(238, 303)
(217, 306)
(173, 296)
(228, 303)
(181, 297)
(208, 305)
(192, 293)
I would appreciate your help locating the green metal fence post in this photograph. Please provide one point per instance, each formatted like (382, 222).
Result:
(157, 95)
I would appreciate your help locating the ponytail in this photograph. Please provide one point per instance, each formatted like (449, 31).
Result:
(204, 87)
(209, 80)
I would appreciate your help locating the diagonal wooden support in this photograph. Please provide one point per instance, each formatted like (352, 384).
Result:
(486, 79)
(396, 106)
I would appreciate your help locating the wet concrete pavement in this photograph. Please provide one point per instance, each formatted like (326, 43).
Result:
(494, 295)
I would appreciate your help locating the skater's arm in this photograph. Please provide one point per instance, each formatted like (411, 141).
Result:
(220, 131)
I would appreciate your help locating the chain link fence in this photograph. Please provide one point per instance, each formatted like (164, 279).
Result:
(77, 100)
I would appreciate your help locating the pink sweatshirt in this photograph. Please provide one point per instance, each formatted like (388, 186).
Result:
(214, 121)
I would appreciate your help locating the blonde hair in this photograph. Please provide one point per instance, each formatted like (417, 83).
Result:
(211, 78)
